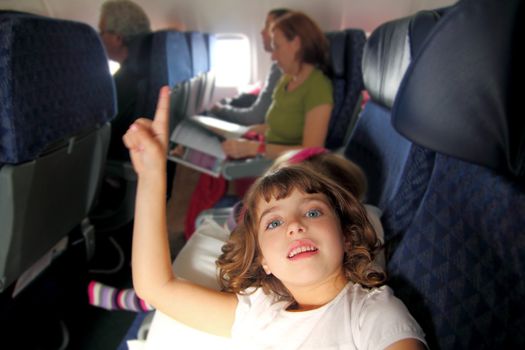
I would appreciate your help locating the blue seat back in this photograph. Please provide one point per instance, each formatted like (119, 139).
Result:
(460, 264)
(168, 63)
(393, 165)
(199, 53)
(346, 50)
(57, 97)
(40, 103)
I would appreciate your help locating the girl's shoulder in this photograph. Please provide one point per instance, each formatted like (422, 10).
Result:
(379, 314)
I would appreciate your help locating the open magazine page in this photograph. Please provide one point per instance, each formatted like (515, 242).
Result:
(221, 127)
(202, 148)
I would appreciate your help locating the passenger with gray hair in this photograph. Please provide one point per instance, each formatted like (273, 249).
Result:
(121, 21)
(122, 25)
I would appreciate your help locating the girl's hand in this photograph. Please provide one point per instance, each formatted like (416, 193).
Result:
(240, 148)
(147, 140)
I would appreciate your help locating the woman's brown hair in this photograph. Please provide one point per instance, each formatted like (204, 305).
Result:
(314, 45)
(240, 262)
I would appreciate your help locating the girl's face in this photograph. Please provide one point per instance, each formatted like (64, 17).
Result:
(301, 240)
(284, 51)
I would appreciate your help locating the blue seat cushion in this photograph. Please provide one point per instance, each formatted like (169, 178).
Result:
(460, 266)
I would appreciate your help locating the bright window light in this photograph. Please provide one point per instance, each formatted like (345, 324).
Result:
(113, 67)
(232, 60)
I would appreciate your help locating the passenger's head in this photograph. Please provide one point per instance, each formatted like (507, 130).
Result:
(245, 259)
(297, 39)
(120, 21)
(271, 17)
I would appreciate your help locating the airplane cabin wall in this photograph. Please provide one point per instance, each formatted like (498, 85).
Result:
(238, 16)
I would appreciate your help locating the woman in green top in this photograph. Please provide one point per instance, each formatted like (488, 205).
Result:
(302, 101)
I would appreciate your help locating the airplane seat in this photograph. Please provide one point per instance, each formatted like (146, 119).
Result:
(346, 51)
(200, 66)
(392, 164)
(163, 58)
(57, 98)
(460, 265)
(209, 86)
(170, 66)
(172, 53)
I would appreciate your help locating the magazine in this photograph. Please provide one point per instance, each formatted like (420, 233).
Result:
(221, 127)
(201, 137)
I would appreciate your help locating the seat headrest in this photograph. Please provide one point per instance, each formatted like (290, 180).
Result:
(199, 53)
(178, 57)
(55, 83)
(337, 43)
(460, 96)
(385, 59)
(389, 51)
(139, 49)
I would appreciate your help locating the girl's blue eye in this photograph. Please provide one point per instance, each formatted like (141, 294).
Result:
(273, 224)
(313, 213)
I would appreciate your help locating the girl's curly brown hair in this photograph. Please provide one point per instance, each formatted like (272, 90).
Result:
(240, 264)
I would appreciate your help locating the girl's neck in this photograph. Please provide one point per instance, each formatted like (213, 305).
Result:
(314, 297)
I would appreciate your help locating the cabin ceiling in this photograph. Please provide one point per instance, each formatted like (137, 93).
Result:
(236, 15)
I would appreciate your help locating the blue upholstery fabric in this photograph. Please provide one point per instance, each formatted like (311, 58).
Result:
(337, 43)
(211, 47)
(380, 151)
(24, 132)
(199, 53)
(179, 58)
(169, 65)
(347, 83)
(410, 187)
(460, 267)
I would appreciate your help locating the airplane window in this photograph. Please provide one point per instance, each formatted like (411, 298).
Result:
(113, 66)
(232, 60)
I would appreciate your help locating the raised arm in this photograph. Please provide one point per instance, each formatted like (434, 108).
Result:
(153, 277)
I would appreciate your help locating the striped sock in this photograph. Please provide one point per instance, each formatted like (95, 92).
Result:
(110, 298)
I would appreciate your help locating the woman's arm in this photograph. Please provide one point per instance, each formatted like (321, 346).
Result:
(314, 135)
(407, 344)
(153, 278)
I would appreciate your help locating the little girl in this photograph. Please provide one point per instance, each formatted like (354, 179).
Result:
(298, 271)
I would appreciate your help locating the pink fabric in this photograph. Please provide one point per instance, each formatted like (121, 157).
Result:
(307, 153)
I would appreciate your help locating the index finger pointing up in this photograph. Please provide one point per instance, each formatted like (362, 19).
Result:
(161, 120)
(163, 105)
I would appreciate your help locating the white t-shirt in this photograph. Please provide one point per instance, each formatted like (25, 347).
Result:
(196, 262)
(357, 318)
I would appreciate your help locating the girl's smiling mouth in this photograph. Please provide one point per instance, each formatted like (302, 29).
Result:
(302, 249)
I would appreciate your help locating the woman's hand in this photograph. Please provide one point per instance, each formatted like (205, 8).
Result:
(177, 151)
(258, 128)
(147, 140)
(240, 148)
